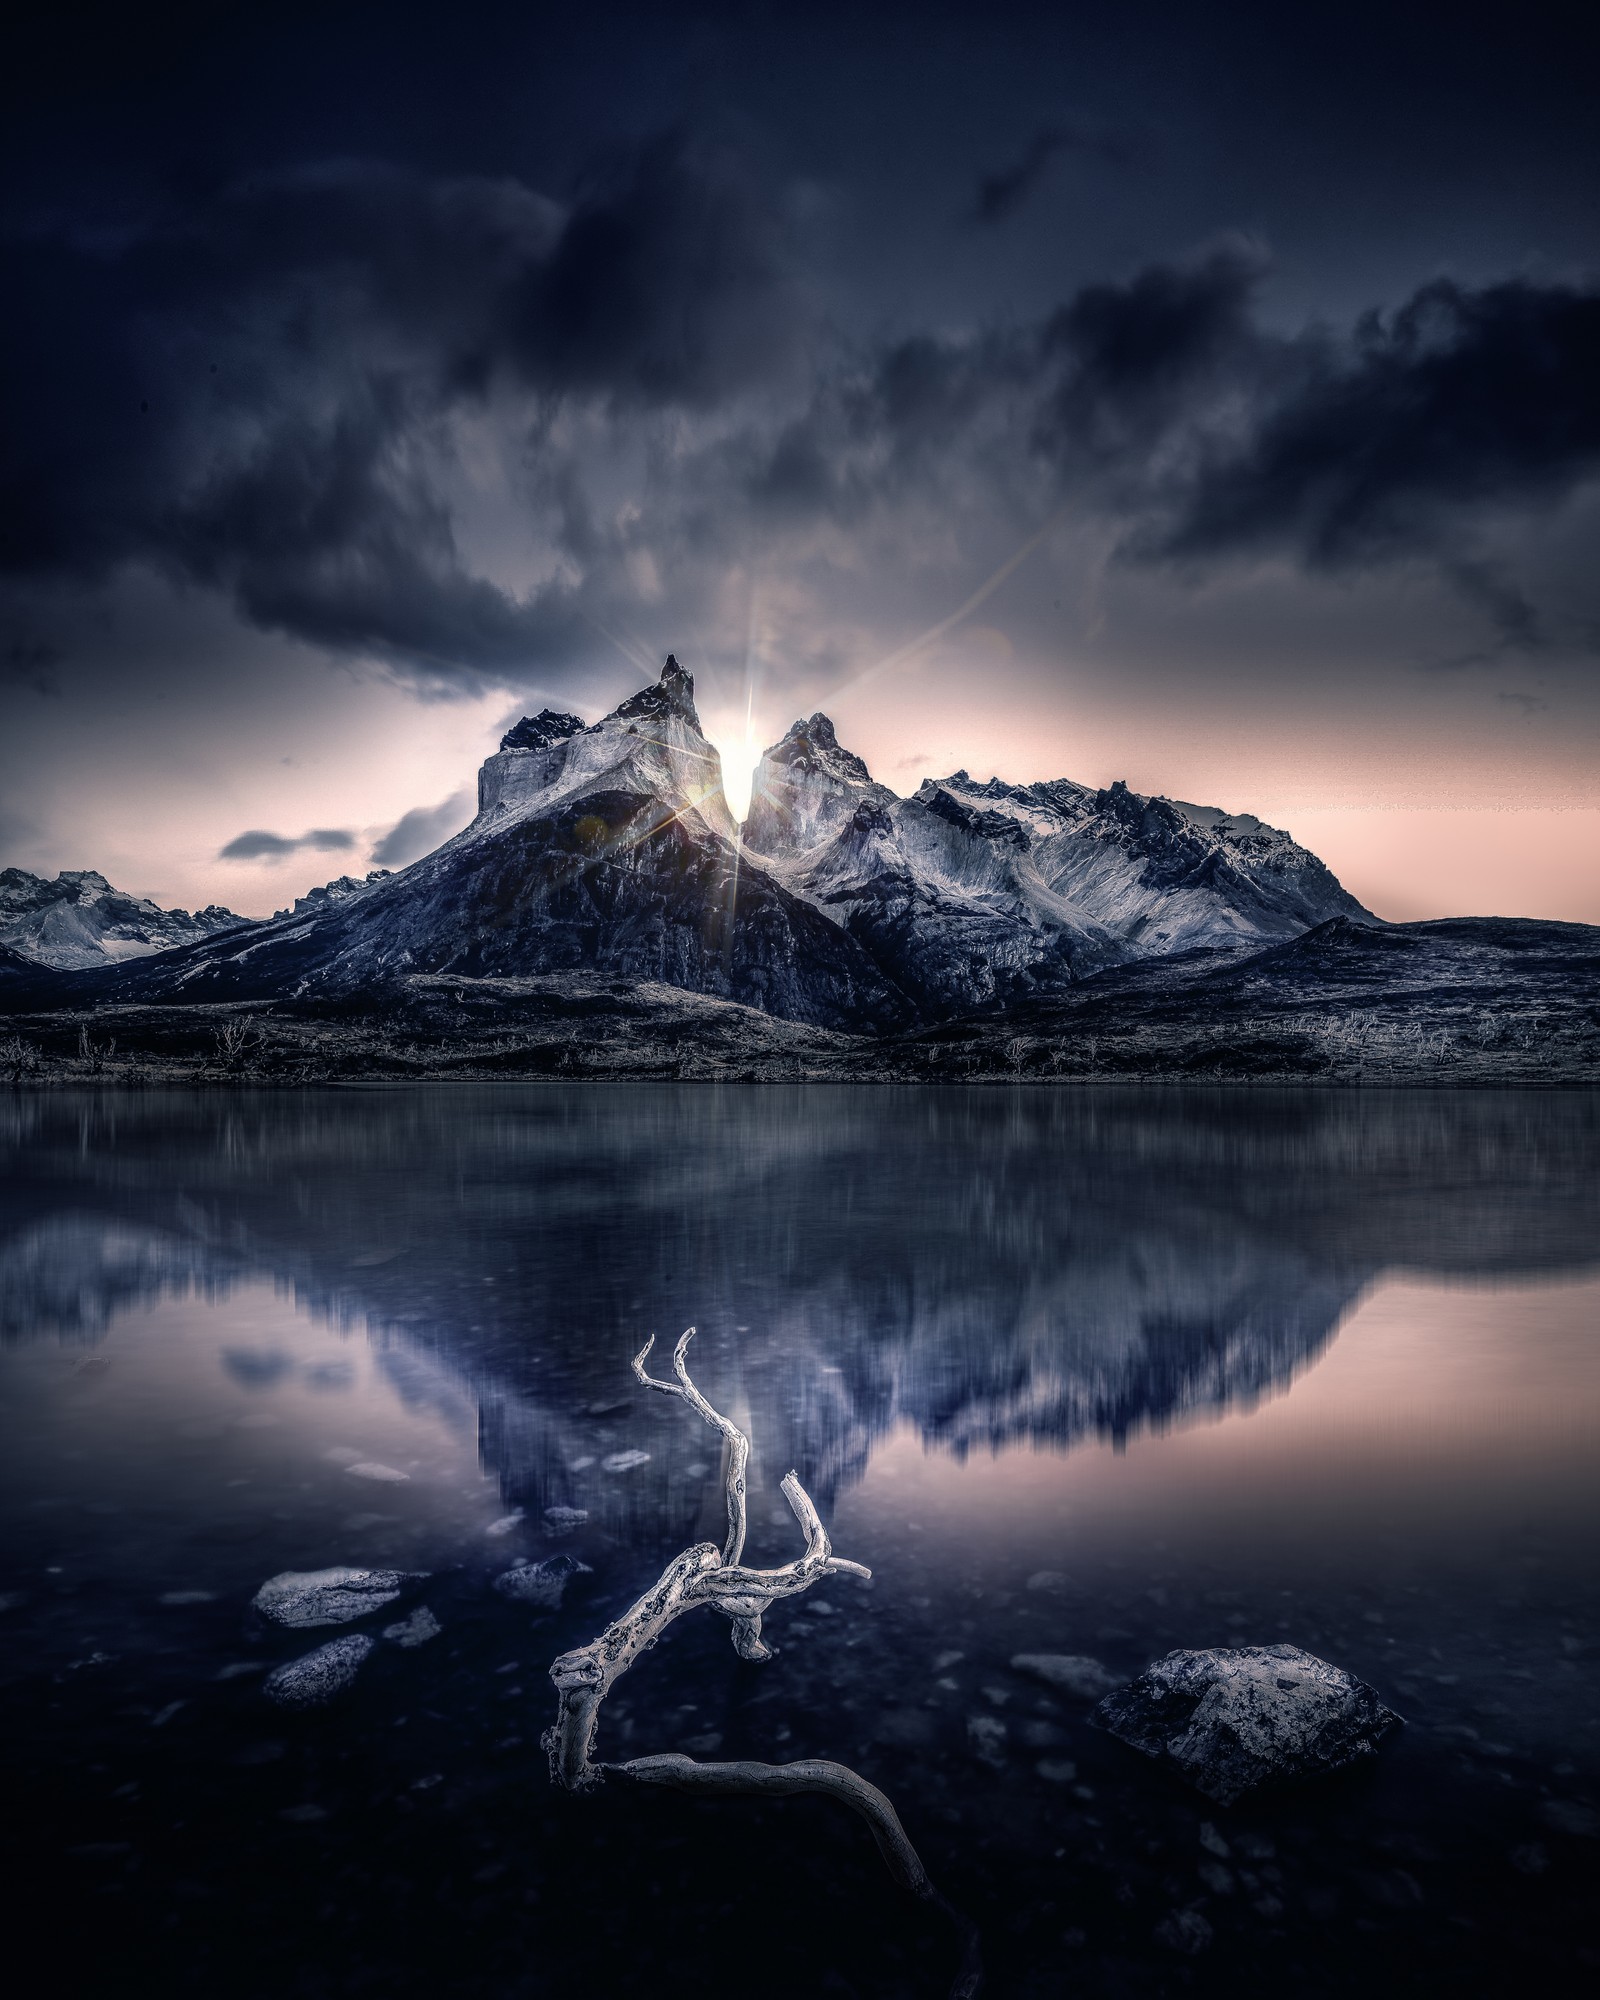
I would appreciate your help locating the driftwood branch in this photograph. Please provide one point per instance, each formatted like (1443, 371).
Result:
(737, 1443)
(700, 1575)
(810, 1774)
(705, 1575)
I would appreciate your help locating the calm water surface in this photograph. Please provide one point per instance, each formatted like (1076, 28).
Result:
(1090, 1372)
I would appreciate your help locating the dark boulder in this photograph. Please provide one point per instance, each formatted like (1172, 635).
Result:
(1230, 1719)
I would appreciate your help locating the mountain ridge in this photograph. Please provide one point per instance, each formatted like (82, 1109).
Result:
(79, 920)
(603, 860)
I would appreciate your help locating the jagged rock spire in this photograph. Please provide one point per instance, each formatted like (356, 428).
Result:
(672, 695)
(538, 732)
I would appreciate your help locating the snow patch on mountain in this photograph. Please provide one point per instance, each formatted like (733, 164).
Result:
(974, 892)
(79, 920)
(651, 746)
(340, 890)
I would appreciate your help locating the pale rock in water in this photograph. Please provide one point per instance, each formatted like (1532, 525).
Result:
(1230, 1719)
(1072, 1673)
(306, 1597)
(317, 1677)
(987, 1736)
(542, 1583)
(416, 1630)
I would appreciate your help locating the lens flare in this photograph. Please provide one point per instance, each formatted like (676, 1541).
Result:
(740, 752)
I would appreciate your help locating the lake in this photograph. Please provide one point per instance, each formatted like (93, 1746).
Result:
(1100, 1372)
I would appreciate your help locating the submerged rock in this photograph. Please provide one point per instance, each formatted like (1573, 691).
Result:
(562, 1520)
(1228, 1720)
(317, 1677)
(416, 1630)
(305, 1597)
(541, 1583)
(1184, 1930)
(987, 1736)
(1072, 1673)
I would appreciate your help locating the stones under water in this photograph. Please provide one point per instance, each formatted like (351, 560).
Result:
(1232, 1718)
(337, 1596)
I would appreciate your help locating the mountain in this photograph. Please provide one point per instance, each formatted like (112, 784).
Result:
(79, 920)
(609, 848)
(975, 893)
(605, 847)
(339, 890)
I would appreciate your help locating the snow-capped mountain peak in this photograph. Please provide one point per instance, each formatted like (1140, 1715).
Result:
(651, 746)
(974, 892)
(608, 846)
(339, 890)
(538, 732)
(79, 920)
(807, 787)
(671, 697)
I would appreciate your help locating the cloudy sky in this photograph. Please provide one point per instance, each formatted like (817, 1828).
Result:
(1206, 397)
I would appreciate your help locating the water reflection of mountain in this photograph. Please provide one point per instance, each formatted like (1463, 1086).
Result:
(985, 1265)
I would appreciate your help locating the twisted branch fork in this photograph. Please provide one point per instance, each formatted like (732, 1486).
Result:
(700, 1575)
(738, 1444)
(703, 1574)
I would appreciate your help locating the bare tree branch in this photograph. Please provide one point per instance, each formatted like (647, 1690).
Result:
(700, 1575)
(738, 1444)
(704, 1575)
(834, 1781)
(809, 1774)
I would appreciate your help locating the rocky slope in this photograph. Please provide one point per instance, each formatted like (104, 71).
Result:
(1471, 1001)
(606, 847)
(973, 893)
(978, 927)
(79, 920)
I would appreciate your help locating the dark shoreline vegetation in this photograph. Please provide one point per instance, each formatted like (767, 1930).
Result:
(1470, 1001)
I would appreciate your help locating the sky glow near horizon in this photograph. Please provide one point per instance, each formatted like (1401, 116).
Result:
(1059, 398)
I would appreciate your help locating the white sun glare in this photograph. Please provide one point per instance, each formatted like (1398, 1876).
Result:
(740, 753)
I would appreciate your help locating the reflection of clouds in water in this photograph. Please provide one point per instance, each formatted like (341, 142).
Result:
(422, 1384)
(257, 1368)
(71, 1275)
(331, 1375)
(987, 1267)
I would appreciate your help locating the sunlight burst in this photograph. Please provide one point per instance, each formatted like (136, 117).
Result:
(740, 752)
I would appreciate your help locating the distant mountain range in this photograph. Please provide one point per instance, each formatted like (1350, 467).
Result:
(603, 914)
(79, 920)
(610, 847)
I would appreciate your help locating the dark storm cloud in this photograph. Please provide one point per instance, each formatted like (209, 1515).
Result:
(1463, 399)
(1003, 191)
(259, 845)
(256, 393)
(1131, 364)
(278, 391)
(421, 830)
(1170, 410)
